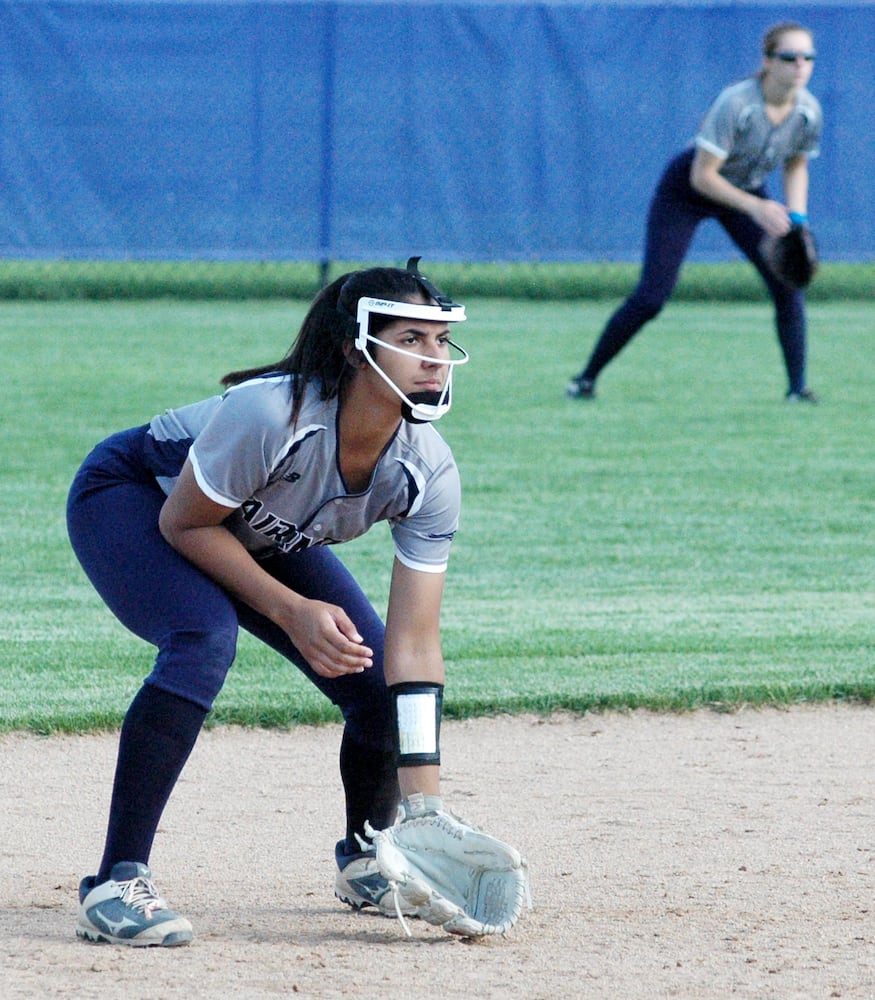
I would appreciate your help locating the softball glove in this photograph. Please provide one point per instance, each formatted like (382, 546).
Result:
(449, 874)
(792, 258)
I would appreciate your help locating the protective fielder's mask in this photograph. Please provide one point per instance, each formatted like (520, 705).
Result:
(418, 407)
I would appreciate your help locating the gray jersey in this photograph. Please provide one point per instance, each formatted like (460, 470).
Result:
(736, 128)
(285, 481)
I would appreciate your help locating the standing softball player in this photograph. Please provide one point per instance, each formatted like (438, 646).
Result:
(218, 514)
(766, 120)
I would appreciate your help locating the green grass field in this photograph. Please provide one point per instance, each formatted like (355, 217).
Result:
(687, 539)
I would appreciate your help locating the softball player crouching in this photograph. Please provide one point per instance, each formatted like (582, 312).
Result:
(218, 515)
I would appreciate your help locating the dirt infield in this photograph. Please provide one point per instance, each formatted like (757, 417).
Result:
(696, 856)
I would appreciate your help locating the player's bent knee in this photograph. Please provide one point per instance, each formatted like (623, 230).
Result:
(646, 308)
(194, 663)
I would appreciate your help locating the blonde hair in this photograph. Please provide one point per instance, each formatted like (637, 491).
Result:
(772, 37)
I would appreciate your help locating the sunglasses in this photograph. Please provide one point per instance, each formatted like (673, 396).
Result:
(789, 56)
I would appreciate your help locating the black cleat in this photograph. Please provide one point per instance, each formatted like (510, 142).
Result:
(806, 396)
(580, 388)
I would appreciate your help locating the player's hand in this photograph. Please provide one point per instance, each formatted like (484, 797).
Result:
(771, 216)
(327, 638)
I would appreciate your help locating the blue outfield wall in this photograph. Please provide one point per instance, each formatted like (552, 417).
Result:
(467, 131)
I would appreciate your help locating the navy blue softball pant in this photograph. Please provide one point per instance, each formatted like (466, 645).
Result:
(675, 213)
(159, 595)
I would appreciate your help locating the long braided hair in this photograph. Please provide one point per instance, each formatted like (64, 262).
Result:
(317, 354)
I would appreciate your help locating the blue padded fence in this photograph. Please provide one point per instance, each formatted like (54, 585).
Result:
(469, 130)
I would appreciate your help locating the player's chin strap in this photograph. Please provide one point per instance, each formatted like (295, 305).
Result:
(417, 407)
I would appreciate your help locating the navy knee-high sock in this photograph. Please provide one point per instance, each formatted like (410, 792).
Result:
(157, 736)
(370, 783)
(790, 321)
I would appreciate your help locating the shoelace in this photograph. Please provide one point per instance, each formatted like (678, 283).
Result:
(396, 899)
(141, 894)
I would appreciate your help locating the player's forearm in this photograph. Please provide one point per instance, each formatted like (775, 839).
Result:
(223, 558)
(413, 639)
(413, 662)
(414, 668)
(796, 186)
(711, 184)
(417, 732)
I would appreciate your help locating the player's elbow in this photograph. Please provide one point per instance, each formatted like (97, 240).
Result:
(699, 180)
(169, 526)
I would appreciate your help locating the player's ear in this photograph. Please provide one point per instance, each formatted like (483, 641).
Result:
(353, 355)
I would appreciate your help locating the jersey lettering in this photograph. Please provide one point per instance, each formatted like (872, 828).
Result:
(285, 535)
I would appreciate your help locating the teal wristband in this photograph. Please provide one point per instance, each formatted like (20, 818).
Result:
(798, 219)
